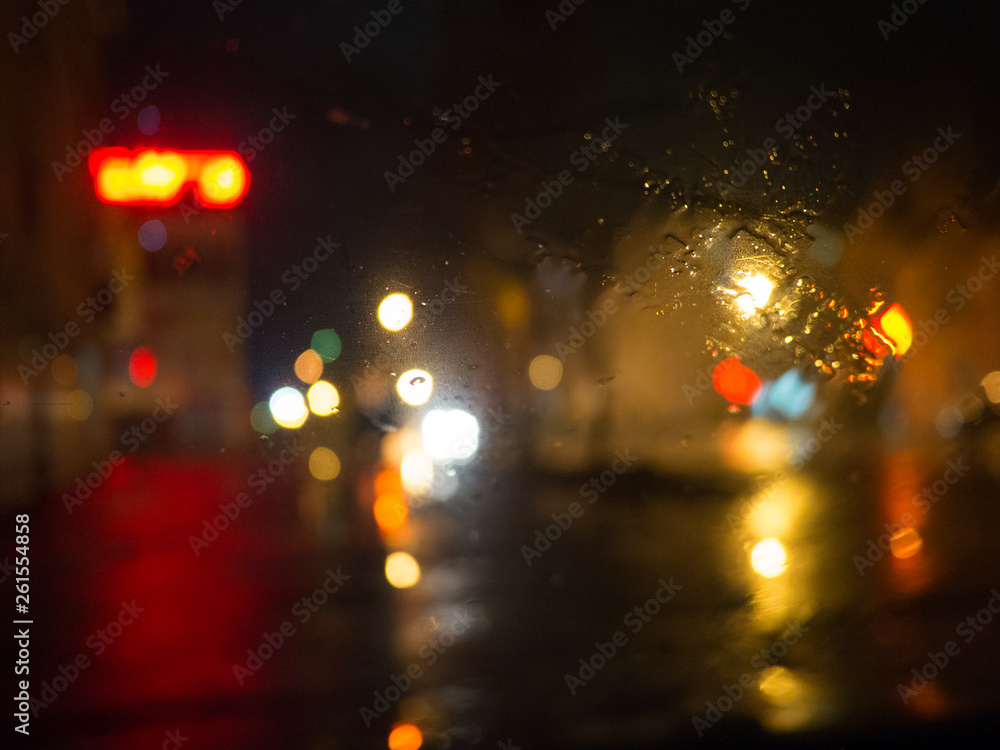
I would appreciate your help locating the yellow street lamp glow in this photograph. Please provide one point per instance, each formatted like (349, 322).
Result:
(781, 686)
(415, 387)
(545, 372)
(288, 408)
(323, 398)
(991, 384)
(80, 405)
(401, 570)
(778, 510)
(395, 312)
(324, 464)
(768, 558)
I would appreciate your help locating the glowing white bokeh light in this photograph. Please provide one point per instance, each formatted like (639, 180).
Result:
(402, 570)
(395, 312)
(759, 290)
(288, 407)
(450, 435)
(415, 387)
(323, 398)
(417, 472)
(768, 558)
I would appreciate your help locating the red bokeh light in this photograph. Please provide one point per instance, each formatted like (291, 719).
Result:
(735, 381)
(142, 367)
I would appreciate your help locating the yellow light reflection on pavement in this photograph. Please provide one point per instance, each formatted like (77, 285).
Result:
(780, 686)
(781, 508)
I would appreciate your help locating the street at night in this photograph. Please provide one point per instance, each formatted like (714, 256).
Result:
(474, 375)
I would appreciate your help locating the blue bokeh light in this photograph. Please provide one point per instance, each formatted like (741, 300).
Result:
(153, 235)
(788, 397)
(149, 119)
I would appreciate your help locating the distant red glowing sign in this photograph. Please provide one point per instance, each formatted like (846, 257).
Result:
(157, 178)
(736, 382)
(142, 367)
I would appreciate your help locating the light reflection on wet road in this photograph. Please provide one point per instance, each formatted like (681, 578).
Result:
(487, 647)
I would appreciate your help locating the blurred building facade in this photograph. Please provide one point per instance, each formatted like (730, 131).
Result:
(80, 292)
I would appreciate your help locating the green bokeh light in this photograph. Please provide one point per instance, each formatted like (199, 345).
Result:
(326, 343)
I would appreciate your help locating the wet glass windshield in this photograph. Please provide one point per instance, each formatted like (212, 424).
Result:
(416, 374)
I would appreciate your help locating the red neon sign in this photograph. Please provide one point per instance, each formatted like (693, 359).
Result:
(154, 177)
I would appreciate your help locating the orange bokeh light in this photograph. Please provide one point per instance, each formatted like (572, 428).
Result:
(905, 543)
(388, 481)
(405, 737)
(390, 512)
(157, 178)
(308, 367)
